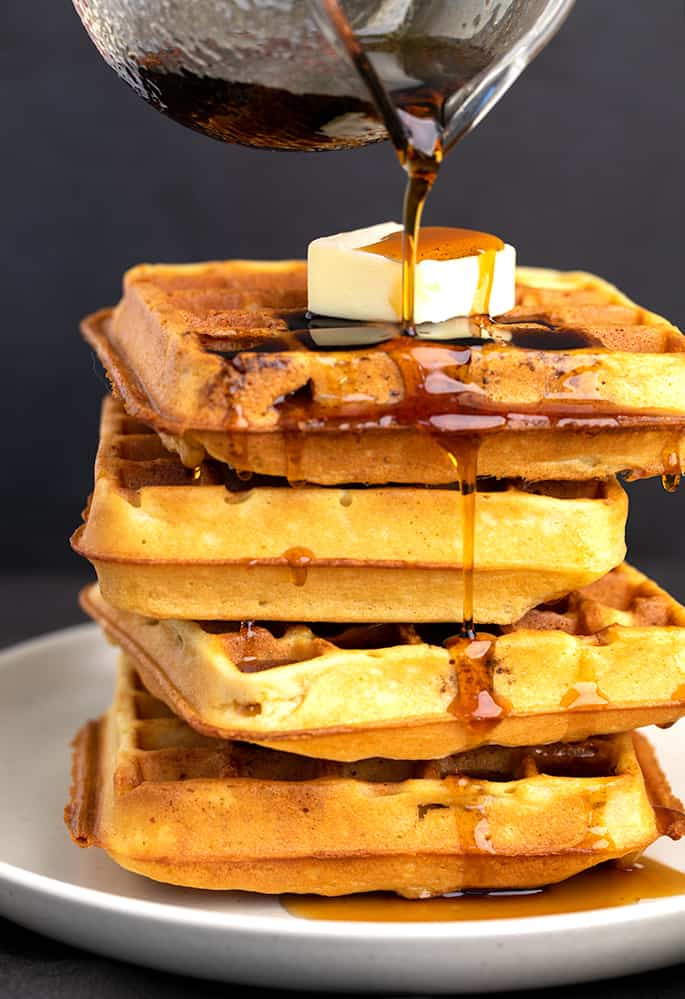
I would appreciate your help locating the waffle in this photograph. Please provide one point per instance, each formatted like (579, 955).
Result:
(166, 802)
(613, 655)
(167, 545)
(237, 383)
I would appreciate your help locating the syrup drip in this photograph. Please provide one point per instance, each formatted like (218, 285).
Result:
(299, 560)
(423, 381)
(602, 887)
(486, 279)
(248, 638)
(463, 455)
(584, 693)
(239, 451)
(467, 485)
(672, 474)
(475, 703)
(191, 455)
(294, 447)
(597, 835)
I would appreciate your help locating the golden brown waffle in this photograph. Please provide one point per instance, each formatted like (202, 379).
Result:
(165, 545)
(203, 354)
(609, 658)
(171, 804)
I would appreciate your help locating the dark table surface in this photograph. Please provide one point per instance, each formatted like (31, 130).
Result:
(32, 966)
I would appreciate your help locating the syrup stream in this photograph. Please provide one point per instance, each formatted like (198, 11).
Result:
(416, 127)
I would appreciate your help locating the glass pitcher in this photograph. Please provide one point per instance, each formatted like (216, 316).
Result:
(278, 74)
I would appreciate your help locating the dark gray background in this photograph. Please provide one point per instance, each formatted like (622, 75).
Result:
(580, 165)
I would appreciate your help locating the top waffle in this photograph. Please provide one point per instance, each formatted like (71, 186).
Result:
(205, 352)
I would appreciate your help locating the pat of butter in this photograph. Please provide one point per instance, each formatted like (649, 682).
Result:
(348, 280)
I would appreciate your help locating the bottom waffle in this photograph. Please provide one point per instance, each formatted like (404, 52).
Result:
(179, 807)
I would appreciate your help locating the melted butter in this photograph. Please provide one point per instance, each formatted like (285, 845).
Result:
(602, 887)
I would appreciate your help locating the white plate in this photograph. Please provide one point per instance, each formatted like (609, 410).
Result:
(49, 686)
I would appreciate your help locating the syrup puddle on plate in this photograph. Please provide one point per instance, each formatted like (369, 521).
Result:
(599, 888)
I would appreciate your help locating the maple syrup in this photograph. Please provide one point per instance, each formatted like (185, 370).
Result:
(294, 447)
(299, 560)
(672, 473)
(435, 368)
(599, 888)
(251, 114)
(444, 243)
(467, 465)
(248, 640)
(416, 115)
(273, 117)
(475, 703)
(584, 693)
(308, 331)
(463, 453)
(437, 242)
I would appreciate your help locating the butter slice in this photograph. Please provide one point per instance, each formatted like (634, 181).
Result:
(348, 282)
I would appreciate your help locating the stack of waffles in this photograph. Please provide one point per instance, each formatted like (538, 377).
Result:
(279, 526)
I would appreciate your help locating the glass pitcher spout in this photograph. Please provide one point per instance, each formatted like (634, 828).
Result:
(449, 61)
